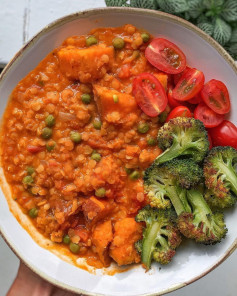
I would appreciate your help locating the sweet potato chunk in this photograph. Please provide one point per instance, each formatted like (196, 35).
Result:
(109, 110)
(122, 250)
(86, 64)
(101, 238)
(163, 78)
(95, 209)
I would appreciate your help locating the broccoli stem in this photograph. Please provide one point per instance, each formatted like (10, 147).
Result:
(150, 242)
(170, 153)
(178, 200)
(230, 175)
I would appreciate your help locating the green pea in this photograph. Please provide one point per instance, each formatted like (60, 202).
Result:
(91, 40)
(143, 128)
(50, 146)
(118, 43)
(66, 239)
(100, 192)
(97, 124)
(75, 137)
(27, 180)
(145, 37)
(30, 170)
(86, 98)
(128, 171)
(74, 248)
(46, 133)
(134, 175)
(151, 141)
(115, 98)
(163, 116)
(96, 157)
(50, 120)
(33, 213)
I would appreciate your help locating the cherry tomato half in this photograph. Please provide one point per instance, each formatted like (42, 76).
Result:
(210, 141)
(177, 77)
(216, 96)
(172, 102)
(195, 100)
(207, 116)
(189, 85)
(224, 134)
(180, 111)
(165, 56)
(149, 94)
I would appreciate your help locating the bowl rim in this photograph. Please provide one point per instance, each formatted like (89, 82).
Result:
(97, 11)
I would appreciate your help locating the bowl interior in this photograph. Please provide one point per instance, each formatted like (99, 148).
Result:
(191, 260)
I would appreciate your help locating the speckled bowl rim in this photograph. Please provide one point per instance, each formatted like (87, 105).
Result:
(97, 12)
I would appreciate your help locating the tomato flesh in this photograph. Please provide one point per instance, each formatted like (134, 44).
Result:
(172, 102)
(149, 94)
(189, 85)
(180, 111)
(178, 76)
(165, 56)
(224, 134)
(216, 96)
(195, 100)
(207, 116)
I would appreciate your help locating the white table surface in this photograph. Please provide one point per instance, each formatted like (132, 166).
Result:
(20, 20)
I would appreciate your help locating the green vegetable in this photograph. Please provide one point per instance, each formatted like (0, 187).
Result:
(91, 40)
(30, 170)
(100, 192)
(145, 37)
(96, 156)
(66, 239)
(118, 43)
(115, 98)
(74, 248)
(97, 124)
(75, 137)
(143, 128)
(160, 236)
(33, 213)
(134, 175)
(50, 120)
(151, 141)
(46, 133)
(27, 180)
(50, 146)
(86, 98)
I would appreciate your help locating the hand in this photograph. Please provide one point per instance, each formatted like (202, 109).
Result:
(27, 283)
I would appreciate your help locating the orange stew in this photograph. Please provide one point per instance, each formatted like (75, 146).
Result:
(75, 144)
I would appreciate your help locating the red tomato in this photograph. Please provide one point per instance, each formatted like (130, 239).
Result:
(180, 111)
(215, 94)
(224, 134)
(210, 141)
(34, 149)
(165, 56)
(172, 102)
(149, 94)
(195, 100)
(207, 116)
(189, 85)
(178, 76)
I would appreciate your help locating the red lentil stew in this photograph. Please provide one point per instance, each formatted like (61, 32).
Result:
(75, 144)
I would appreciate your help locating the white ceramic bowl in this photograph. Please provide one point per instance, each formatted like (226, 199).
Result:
(192, 261)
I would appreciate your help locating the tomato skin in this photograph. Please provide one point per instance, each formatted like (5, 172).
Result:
(195, 100)
(207, 116)
(178, 76)
(216, 96)
(165, 56)
(34, 149)
(210, 140)
(180, 111)
(189, 85)
(172, 102)
(149, 94)
(224, 134)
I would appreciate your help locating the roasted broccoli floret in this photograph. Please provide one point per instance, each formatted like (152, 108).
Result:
(182, 136)
(176, 181)
(160, 236)
(164, 182)
(201, 224)
(221, 177)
